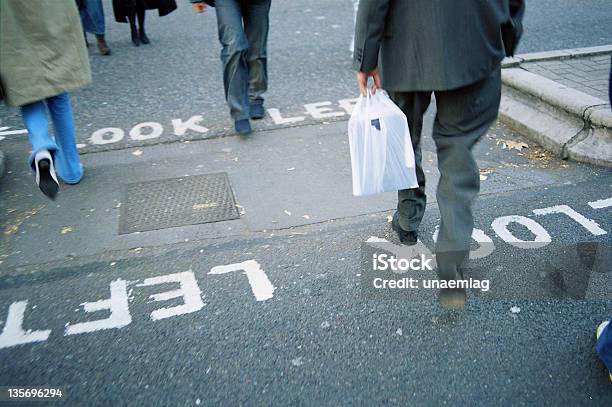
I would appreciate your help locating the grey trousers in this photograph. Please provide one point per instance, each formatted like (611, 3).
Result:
(463, 116)
(243, 33)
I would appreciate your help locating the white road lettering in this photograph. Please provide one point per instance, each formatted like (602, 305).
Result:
(319, 111)
(260, 284)
(485, 243)
(588, 224)
(4, 131)
(181, 127)
(500, 226)
(348, 105)
(137, 132)
(107, 135)
(280, 120)
(13, 333)
(189, 290)
(118, 306)
(600, 204)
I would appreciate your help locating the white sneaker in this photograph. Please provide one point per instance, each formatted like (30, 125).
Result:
(45, 174)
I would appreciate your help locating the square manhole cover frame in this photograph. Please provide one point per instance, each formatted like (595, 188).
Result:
(189, 216)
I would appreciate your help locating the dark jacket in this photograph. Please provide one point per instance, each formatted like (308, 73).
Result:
(121, 8)
(422, 45)
(42, 52)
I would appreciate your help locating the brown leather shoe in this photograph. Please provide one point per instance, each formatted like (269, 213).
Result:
(102, 45)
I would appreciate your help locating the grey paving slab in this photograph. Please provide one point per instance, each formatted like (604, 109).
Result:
(588, 74)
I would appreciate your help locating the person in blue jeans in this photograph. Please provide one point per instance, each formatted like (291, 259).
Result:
(92, 18)
(62, 148)
(604, 345)
(43, 58)
(243, 32)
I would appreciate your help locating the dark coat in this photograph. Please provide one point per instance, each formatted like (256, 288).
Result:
(42, 52)
(424, 45)
(121, 8)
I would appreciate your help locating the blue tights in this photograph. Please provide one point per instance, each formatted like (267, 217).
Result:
(63, 146)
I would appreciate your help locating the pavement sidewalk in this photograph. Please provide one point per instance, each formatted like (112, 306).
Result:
(560, 100)
(281, 179)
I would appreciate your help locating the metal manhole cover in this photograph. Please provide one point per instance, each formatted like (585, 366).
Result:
(176, 202)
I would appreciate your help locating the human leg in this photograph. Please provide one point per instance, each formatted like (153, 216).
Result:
(69, 166)
(233, 56)
(412, 202)
(43, 147)
(463, 116)
(256, 25)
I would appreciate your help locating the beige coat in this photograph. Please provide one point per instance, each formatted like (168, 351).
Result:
(42, 50)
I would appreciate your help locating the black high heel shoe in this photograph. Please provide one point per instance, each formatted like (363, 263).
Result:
(135, 38)
(143, 37)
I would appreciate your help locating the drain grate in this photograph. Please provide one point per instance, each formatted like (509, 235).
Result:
(168, 203)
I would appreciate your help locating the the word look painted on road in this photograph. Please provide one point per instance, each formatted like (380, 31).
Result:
(152, 130)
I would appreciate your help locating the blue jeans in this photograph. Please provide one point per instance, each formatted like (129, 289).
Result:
(604, 346)
(63, 147)
(243, 33)
(92, 16)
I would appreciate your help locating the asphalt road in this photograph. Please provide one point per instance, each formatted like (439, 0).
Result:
(317, 341)
(178, 75)
(315, 338)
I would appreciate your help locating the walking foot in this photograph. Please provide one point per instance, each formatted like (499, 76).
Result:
(243, 127)
(257, 111)
(46, 179)
(407, 237)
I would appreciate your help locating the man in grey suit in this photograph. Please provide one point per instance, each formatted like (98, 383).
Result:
(452, 48)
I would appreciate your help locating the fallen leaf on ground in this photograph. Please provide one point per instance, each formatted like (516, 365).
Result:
(11, 230)
(515, 309)
(137, 153)
(516, 145)
(287, 212)
(539, 155)
(66, 229)
(306, 217)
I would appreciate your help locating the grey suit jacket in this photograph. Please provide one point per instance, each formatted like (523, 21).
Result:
(430, 44)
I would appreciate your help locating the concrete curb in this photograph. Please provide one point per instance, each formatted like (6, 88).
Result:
(566, 121)
(557, 54)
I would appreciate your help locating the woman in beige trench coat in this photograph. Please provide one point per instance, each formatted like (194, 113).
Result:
(42, 57)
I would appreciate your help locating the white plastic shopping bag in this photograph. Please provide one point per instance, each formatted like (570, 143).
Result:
(382, 158)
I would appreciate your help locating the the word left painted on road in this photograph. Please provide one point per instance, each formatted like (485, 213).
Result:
(188, 293)
(195, 124)
(118, 309)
